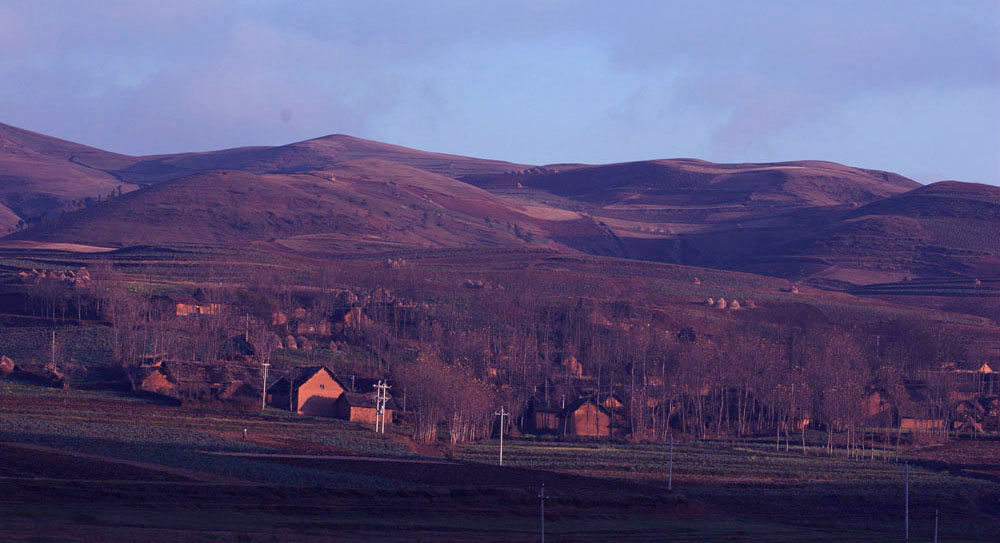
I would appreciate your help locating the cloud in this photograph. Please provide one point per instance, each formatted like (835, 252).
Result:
(525, 81)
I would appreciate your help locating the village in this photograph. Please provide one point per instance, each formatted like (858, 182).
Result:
(482, 387)
(328, 360)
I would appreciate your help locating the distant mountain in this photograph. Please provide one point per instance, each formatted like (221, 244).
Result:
(948, 228)
(670, 185)
(695, 212)
(306, 156)
(41, 176)
(359, 205)
(826, 223)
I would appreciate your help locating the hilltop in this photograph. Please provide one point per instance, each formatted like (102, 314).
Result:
(827, 223)
(41, 175)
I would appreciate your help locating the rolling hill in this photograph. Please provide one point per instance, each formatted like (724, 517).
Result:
(305, 156)
(41, 176)
(827, 223)
(946, 229)
(357, 205)
(698, 213)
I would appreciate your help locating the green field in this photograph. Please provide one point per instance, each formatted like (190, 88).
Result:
(158, 476)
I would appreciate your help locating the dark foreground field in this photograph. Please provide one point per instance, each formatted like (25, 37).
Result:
(96, 466)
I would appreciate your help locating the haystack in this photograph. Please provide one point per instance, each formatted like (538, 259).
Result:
(6, 366)
(290, 342)
(735, 304)
(721, 304)
(710, 302)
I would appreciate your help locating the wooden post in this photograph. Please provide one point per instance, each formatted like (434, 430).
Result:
(670, 469)
(906, 493)
(541, 497)
(502, 414)
(935, 525)
(263, 393)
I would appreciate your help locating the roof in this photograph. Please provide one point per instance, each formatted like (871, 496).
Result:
(576, 404)
(302, 374)
(366, 399)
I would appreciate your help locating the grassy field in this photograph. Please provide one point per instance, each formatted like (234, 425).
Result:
(95, 466)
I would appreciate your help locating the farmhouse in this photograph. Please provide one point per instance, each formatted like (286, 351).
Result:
(361, 407)
(191, 381)
(191, 307)
(542, 419)
(877, 409)
(587, 418)
(307, 391)
(920, 423)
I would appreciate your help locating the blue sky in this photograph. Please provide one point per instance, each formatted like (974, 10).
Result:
(911, 87)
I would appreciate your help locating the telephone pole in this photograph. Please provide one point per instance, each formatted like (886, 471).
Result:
(381, 399)
(670, 469)
(501, 413)
(263, 393)
(906, 493)
(541, 498)
(935, 525)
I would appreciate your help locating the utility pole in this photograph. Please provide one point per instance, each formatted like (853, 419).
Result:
(906, 493)
(381, 398)
(53, 347)
(541, 498)
(263, 393)
(501, 413)
(670, 470)
(935, 524)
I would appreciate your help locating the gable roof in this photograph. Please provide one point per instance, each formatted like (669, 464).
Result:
(579, 402)
(300, 375)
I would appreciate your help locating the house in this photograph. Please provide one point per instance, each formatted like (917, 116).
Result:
(587, 418)
(189, 308)
(357, 407)
(307, 391)
(319, 328)
(191, 381)
(877, 410)
(920, 423)
(919, 411)
(544, 420)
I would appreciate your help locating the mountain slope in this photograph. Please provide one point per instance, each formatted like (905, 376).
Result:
(948, 228)
(307, 156)
(687, 182)
(41, 176)
(356, 205)
(695, 212)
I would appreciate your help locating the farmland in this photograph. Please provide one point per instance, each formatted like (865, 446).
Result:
(111, 465)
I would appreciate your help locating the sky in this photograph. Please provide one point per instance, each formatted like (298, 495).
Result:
(911, 87)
